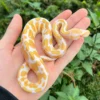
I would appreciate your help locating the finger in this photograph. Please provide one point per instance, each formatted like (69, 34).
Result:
(84, 23)
(76, 17)
(72, 50)
(13, 31)
(64, 15)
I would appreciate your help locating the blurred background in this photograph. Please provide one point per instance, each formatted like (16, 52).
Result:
(80, 80)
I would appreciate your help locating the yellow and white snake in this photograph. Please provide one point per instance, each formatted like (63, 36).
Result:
(35, 62)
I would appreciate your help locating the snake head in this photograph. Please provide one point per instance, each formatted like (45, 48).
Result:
(76, 33)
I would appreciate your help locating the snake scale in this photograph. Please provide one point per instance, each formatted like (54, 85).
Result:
(33, 61)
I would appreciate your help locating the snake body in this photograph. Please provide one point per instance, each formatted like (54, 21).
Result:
(35, 62)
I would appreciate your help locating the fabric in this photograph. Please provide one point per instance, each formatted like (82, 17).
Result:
(6, 95)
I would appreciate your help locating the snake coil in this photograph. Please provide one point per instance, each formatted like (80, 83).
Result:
(35, 62)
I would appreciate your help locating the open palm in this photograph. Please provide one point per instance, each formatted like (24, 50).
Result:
(11, 57)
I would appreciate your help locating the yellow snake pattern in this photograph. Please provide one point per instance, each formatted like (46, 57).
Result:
(59, 30)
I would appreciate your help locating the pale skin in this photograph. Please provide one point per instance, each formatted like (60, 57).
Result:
(11, 57)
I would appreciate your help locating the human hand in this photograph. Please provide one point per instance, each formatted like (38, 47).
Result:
(11, 57)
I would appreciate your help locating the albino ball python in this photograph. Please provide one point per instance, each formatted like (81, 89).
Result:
(33, 61)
